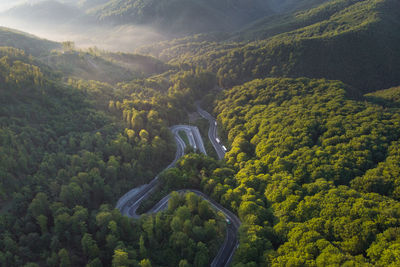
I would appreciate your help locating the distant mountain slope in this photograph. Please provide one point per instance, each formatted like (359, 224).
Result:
(184, 15)
(29, 43)
(356, 42)
(277, 24)
(353, 41)
(92, 65)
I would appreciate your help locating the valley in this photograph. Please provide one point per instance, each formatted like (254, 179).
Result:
(129, 203)
(199, 133)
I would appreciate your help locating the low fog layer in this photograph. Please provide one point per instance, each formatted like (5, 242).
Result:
(124, 38)
(70, 23)
(110, 25)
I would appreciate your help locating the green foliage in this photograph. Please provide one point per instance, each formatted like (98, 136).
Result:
(217, 180)
(68, 151)
(333, 41)
(120, 258)
(384, 178)
(297, 146)
(61, 159)
(182, 235)
(389, 97)
(316, 120)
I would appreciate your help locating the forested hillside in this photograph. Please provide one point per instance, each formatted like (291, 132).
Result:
(89, 64)
(59, 158)
(352, 41)
(316, 178)
(69, 150)
(29, 43)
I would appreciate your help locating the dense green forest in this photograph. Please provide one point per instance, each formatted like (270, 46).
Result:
(192, 229)
(58, 156)
(312, 173)
(352, 41)
(67, 155)
(307, 101)
(323, 159)
(70, 149)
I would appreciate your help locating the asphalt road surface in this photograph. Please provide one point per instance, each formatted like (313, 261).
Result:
(130, 202)
(212, 132)
(193, 135)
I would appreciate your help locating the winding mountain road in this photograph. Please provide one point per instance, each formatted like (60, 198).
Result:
(130, 202)
(212, 132)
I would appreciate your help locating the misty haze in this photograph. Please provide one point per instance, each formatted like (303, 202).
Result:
(68, 22)
(118, 25)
